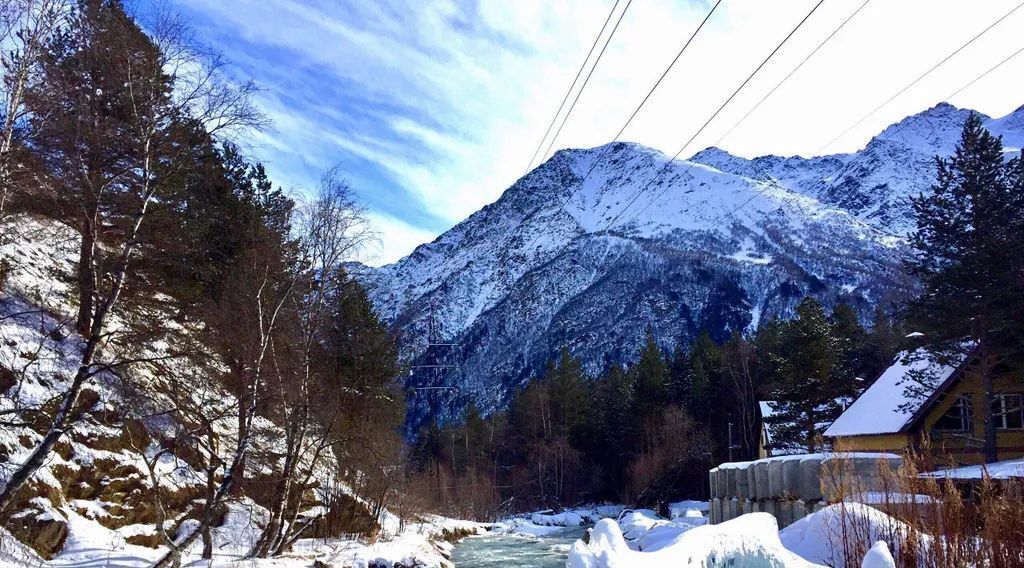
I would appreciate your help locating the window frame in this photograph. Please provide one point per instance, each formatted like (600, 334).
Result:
(964, 401)
(1002, 413)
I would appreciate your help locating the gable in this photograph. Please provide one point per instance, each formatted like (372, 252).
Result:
(898, 398)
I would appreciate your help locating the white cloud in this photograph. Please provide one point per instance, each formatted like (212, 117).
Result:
(460, 93)
(396, 239)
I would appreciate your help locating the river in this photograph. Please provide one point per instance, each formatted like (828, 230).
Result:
(487, 551)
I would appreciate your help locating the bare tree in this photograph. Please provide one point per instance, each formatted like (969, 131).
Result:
(26, 25)
(255, 307)
(333, 228)
(111, 111)
(738, 360)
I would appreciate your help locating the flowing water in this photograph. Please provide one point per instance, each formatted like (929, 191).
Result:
(548, 551)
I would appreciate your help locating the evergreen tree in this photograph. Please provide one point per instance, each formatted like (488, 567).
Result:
(968, 258)
(618, 428)
(884, 340)
(650, 377)
(703, 378)
(850, 342)
(677, 387)
(808, 377)
(569, 398)
(358, 389)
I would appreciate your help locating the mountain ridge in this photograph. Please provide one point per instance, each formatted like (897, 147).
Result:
(716, 242)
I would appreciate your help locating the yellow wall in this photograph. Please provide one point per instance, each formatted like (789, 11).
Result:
(958, 445)
(878, 443)
(947, 445)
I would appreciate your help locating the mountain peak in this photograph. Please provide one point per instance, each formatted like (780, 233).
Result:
(934, 129)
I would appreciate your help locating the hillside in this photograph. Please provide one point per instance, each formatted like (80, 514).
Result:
(93, 500)
(717, 242)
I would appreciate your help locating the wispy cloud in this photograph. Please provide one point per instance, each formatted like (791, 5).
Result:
(433, 108)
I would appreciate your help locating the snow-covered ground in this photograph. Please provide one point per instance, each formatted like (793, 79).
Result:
(1008, 469)
(542, 523)
(640, 538)
(89, 544)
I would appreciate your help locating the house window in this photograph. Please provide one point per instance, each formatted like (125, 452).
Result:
(958, 417)
(1008, 411)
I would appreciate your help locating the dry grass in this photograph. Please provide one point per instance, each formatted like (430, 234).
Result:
(931, 522)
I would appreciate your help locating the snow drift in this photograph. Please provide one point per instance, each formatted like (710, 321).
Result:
(748, 541)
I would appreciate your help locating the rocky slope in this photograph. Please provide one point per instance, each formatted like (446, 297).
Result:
(93, 496)
(717, 242)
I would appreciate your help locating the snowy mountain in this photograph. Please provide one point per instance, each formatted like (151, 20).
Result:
(716, 242)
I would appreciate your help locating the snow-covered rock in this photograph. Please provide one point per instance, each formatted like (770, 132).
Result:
(91, 503)
(748, 541)
(543, 523)
(878, 557)
(686, 508)
(716, 242)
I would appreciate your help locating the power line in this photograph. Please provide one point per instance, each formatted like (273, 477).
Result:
(708, 121)
(774, 183)
(795, 69)
(587, 79)
(633, 115)
(571, 87)
(919, 78)
(979, 77)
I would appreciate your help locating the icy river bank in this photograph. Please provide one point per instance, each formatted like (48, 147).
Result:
(509, 551)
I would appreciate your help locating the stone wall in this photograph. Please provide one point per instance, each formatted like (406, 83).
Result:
(792, 487)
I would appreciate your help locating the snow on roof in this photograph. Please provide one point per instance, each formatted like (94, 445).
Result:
(884, 406)
(767, 410)
(999, 470)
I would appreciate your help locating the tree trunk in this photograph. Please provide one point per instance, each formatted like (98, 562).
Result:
(243, 421)
(991, 448)
(211, 491)
(87, 270)
(61, 421)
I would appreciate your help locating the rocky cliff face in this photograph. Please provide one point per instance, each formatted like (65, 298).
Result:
(716, 242)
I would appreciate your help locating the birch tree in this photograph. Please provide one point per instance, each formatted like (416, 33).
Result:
(26, 26)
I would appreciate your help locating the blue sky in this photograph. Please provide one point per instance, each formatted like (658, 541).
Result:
(433, 108)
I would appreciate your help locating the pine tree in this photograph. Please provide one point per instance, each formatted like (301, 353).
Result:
(884, 340)
(850, 341)
(651, 373)
(569, 397)
(968, 226)
(807, 377)
(618, 428)
(677, 387)
(703, 378)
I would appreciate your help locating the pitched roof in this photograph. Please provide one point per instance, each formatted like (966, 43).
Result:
(887, 407)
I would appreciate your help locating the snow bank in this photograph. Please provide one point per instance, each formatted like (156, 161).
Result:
(543, 523)
(818, 537)
(750, 540)
(681, 508)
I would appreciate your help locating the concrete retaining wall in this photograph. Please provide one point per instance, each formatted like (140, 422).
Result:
(792, 487)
